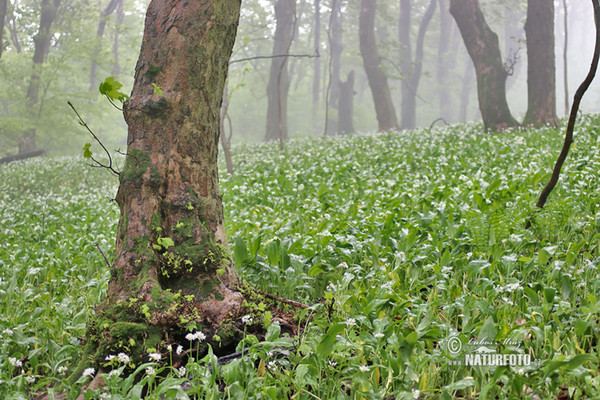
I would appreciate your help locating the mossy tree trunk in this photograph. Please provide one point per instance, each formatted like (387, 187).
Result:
(483, 47)
(172, 271)
(541, 69)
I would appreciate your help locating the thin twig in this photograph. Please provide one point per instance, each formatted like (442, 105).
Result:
(103, 255)
(85, 125)
(573, 115)
(239, 60)
(282, 300)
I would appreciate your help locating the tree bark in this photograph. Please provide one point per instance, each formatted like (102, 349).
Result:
(3, 4)
(110, 8)
(172, 271)
(278, 86)
(410, 84)
(346, 106)
(483, 47)
(225, 140)
(382, 98)
(541, 69)
(41, 41)
(317, 64)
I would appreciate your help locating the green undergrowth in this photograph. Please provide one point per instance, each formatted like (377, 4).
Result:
(409, 246)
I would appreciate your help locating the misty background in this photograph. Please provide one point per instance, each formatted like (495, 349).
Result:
(89, 41)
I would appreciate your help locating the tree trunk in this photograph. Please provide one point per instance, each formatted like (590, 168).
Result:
(483, 47)
(406, 63)
(112, 5)
(409, 96)
(443, 60)
(278, 87)
(541, 70)
(346, 106)
(336, 48)
(565, 55)
(172, 271)
(382, 98)
(513, 39)
(41, 42)
(116, 68)
(317, 64)
(2, 19)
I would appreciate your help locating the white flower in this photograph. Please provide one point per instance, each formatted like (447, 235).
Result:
(154, 356)
(62, 370)
(379, 335)
(123, 358)
(272, 364)
(247, 319)
(170, 348)
(179, 349)
(8, 331)
(88, 372)
(30, 378)
(363, 368)
(416, 394)
(14, 362)
(106, 396)
(181, 371)
(190, 336)
(110, 358)
(350, 322)
(114, 372)
(200, 336)
(150, 371)
(332, 363)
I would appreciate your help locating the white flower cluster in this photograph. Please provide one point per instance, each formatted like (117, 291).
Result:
(198, 335)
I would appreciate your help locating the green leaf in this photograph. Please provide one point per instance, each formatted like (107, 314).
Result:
(165, 242)
(488, 330)
(157, 89)
(460, 385)
(326, 346)
(110, 88)
(87, 153)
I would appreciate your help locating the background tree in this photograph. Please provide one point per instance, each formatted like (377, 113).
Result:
(278, 87)
(541, 70)
(110, 8)
(2, 19)
(382, 98)
(483, 47)
(335, 55)
(411, 70)
(172, 271)
(42, 47)
(316, 93)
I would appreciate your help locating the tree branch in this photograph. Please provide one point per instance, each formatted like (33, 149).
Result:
(574, 109)
(316, 55)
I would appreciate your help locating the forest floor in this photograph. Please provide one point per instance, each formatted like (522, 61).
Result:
(410, 248)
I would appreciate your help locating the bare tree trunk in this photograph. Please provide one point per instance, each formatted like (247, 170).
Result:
(41, 41)
(112, 5)
(346, 106)
(406, 62)
(336, 48)
(3, 4)
(172, 271)
(317, 64)
(278, 87)
(483, 47)
(541, 70)
(14, 34)
(443, 61)
(411, 82)
(116, 68)
(565, 55)
(384, 107)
